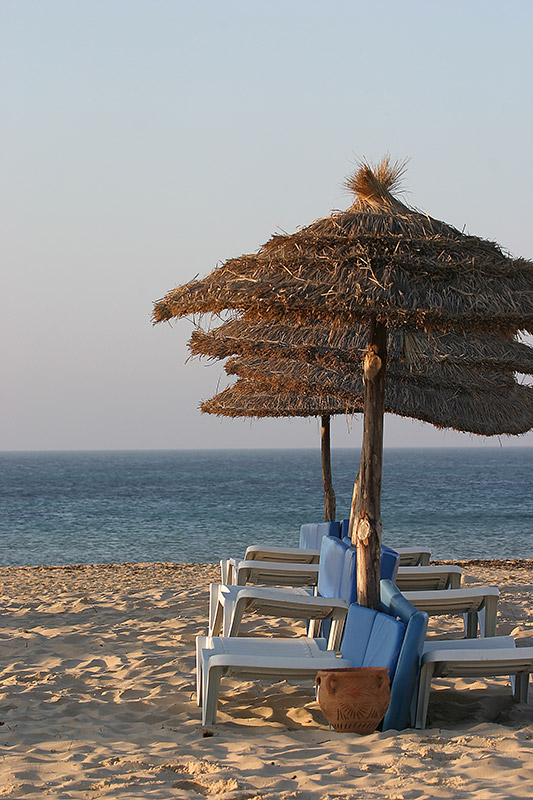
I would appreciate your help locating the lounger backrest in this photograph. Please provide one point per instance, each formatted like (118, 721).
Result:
(348, 582)
(331, 567)
(337, 575)
(312, 533)
(390, 561)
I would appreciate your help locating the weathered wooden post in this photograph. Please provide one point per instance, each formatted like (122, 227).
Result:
(330, 501)
(366, 535)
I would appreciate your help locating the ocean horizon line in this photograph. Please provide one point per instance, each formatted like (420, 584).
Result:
(471, 446)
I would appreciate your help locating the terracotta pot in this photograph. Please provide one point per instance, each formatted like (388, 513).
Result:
(354, 698)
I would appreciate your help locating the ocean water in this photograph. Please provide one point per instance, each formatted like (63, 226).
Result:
(200, 506)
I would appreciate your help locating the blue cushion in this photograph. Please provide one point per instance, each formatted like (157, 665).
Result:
(331, 567)
(405, 681)
(390, 561)
(372, 638)
(348, 582)
(311, 533)
(337, 574)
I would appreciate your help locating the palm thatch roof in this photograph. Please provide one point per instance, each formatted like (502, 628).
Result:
(341, 347)
(330, 379)
(379, 259)
(486, 409)
(248, 398)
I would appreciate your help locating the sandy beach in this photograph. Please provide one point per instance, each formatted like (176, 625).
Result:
(97, 701)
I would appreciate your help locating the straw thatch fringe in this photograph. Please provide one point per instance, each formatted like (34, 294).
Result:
(482, 412)
(340, 347)
(336, 381)
(347, 291)
(248, 399)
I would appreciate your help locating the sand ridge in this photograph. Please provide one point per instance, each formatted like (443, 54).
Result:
(97, 701)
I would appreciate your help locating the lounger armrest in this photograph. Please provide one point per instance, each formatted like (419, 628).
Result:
(498, 655)
(494, 642)
(289, 554)
(430, 570)
(281, 665)
(273, 570)
(290, 598)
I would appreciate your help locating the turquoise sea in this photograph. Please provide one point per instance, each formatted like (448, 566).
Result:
(96, 507)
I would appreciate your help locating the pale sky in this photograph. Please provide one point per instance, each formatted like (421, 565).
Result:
(144, 141)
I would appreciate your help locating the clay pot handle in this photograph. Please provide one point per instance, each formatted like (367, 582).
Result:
(331, 683)
(382, 679)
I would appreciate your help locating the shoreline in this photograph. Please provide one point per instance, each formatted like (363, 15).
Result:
(97, 700)
(526, 563)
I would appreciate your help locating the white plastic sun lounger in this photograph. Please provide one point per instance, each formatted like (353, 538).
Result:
(271, 573)
(428, 578)
(255, 658)
(308, 551)
(479, 605)
(228, 604)
(286, 555)
(281, 573)
(413, 556)
(393, 640)
(481, 658)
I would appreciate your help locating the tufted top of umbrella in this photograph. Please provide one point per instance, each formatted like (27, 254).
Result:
(379, 260)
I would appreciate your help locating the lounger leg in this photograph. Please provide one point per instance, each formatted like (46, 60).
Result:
(424, 689)
(521, 686)
(200, 644)
(337, 626)
(210, 694)
(487, 619)
(224, 565)
(313, 628)
(215, 610)
(455, 581)
(233, 613)
(471, 620)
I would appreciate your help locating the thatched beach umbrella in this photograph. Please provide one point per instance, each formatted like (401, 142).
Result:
(384, 264)
(250, 399)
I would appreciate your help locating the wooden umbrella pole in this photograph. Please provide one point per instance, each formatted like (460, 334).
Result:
(353, 508)
(367, 529)
(329, 493)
